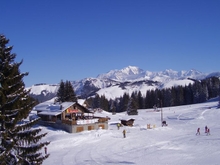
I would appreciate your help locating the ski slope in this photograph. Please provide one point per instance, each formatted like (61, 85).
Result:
(175, 144)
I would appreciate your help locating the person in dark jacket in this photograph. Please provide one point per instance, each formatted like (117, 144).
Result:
(124, 133)
(45, 149)
(208, 131)
(206, 128)
(198, 131)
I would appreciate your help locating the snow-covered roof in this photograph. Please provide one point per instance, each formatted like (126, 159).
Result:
(81, 101)
(49, 108)
(50, 113)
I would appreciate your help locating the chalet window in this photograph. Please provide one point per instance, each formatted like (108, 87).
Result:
(79, 129)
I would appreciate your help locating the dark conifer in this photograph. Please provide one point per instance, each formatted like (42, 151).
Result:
(147, 99)
(173, 99)
(104, 104)
(140, 100)
(112, 106)
(197, 88)
(96, 101)
(69, 92)
(19, 142)
(167, 95)
(132, 107)
(61, 92)
(124, 102)
(66, 92)
(188, 94)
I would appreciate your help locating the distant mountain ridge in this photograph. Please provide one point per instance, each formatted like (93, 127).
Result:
(128, 73)
(115, 83)
(133, 73)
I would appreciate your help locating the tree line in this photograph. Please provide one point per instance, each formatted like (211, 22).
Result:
(197, 92)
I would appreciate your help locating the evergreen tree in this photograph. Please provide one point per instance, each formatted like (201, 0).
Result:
(173, 100)
(132, 107)
(66, 92)
(204, 91)
(124, 102)
(140, 100)
(159, 97)
(104, 103)
(89, 102)
(180, 95)
(19, 142)
(96, 101)
(134, 97)
(146, 99)
(213, 84)
(188, 94)
(69, 92)
(112, 107)
(117, 104)
(150, 99)
(167, 96)
(197, 88)
(61, 92)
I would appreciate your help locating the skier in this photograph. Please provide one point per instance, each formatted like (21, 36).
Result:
(124, 133)
(198, 131)
(118, 125)
(45, 149)
(206, 129)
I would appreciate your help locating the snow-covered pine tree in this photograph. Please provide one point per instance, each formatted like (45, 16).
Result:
(19, 141)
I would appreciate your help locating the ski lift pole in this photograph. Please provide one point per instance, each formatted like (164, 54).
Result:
(161, 112)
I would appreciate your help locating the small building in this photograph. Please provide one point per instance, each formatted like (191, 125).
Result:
(129, 122)
(69, 116)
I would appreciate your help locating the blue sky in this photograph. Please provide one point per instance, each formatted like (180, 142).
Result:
(71, 40)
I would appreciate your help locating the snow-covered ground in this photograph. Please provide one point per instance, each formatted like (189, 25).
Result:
(176, 144)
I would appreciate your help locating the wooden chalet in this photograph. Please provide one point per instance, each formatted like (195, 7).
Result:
(69, 116)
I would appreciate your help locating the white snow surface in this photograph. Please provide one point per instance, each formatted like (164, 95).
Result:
(116, 92)
(177, 83)
(175, 144)
(38, 89)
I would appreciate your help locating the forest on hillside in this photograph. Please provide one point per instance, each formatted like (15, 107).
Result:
(197, 92)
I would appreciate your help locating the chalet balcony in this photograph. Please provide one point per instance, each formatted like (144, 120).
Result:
(85, 121)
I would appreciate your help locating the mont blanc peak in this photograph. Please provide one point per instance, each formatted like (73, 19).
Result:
(127, 73)
(131, 70)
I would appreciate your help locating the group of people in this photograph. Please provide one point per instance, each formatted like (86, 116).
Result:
(207, 131)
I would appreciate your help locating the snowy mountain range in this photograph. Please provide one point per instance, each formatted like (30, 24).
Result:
(115, 83)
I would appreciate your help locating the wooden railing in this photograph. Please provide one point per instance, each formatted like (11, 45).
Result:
(89, 121)
(69, 122)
